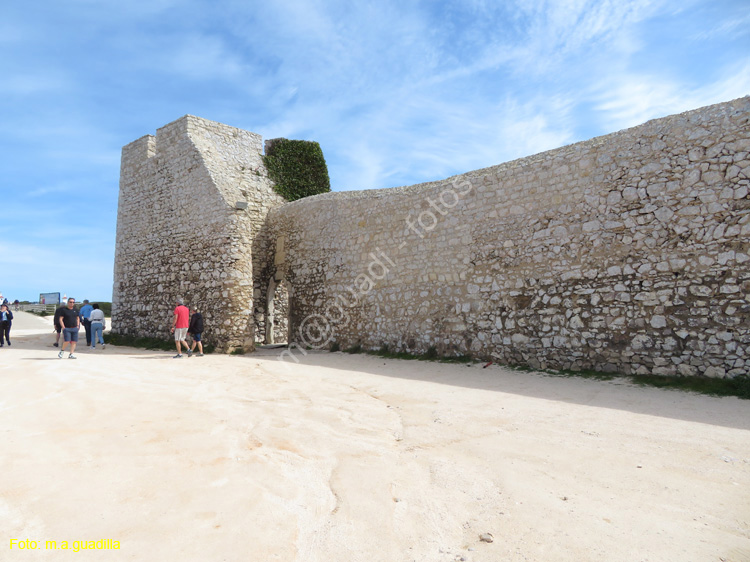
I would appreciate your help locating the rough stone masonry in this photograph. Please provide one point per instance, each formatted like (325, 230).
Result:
(626, 253)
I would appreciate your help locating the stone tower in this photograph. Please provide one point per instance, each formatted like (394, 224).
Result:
(192, 201)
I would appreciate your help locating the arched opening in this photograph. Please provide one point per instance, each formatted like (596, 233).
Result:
(277, 312)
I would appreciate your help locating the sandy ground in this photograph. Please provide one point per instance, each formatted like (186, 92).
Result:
(357, 458)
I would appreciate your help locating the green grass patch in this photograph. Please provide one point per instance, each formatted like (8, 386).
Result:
(430, 355)
(584, 373)
(737, 386)
(394, 354)
(458, 359)
(357, 348)
(140, 342)
(41, 312)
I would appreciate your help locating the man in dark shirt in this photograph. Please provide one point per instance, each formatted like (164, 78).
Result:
(6, 321)
(56, 322)
(196, 330)
(70, 322)
(85, 314)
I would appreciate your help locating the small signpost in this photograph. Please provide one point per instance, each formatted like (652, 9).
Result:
(49, 298)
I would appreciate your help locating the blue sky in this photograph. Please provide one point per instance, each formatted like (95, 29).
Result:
(396, 93)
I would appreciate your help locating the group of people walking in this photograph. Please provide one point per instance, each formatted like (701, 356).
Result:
(68, 322)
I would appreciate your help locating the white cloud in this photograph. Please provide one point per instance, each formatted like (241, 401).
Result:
(407, 106)
(202, 57)
(53, 262)
(735, 83)
(132, 10)
(424, 138)
(31, 269)
(730, 28)
(634, 99)
(28, 84)
(557, 29)
(53, 190)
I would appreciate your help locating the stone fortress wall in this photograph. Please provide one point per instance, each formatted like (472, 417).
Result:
(625, 253)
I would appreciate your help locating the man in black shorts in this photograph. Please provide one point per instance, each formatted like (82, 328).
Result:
(196, 330)
(70, 322)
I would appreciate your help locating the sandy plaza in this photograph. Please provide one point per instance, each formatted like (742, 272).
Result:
(357, 458)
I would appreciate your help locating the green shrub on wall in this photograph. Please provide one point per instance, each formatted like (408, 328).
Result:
(297, 168)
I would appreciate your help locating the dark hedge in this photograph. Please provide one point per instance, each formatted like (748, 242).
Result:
(297, 168)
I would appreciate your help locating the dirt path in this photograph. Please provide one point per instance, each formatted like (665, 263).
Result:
(356, 458)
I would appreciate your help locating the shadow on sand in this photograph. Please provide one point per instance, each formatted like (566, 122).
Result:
(617, 394)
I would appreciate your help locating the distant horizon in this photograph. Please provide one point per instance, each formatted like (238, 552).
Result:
(62, 299)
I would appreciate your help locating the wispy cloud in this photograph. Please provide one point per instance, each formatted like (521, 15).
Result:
(555, 31)
(201, 57)
(33, 84)
(39, 269)
(730, 28)
(634, 99)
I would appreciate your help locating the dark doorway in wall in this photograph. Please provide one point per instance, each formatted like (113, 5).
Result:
(277, 312)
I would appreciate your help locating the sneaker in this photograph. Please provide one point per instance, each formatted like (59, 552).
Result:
(60, 355)
(178, 356)
(71, 356)
(93, 347)
(55, 344)
(103, 346)
(190, 352)
(199, 355)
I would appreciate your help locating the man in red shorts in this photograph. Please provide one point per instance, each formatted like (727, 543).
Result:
(180, 327)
